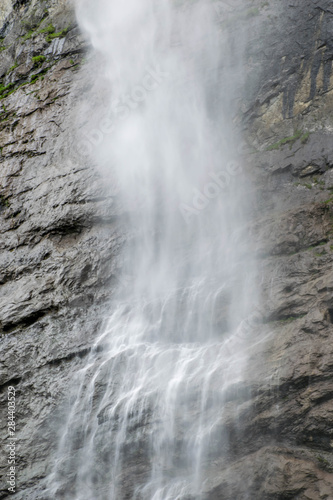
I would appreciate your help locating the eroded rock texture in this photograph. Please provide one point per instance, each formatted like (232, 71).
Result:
(61, 231)
(58, 232)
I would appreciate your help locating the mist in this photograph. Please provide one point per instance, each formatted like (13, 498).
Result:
(153, 392)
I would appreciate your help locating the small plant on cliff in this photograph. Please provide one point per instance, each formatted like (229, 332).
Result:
(5, 89)
(2, 47)
(31, 27)
(4, 202)
(48, 29)
(325, 463)
(33, 30)
(305, 137)
(38, 59)
(28, 35)
(13, 67)
(34, 78)
(287, 140)
(60, 34)
(290, 140)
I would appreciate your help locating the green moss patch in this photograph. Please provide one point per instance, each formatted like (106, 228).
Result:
(35, 77)
(2, 46)
(286, 140)
(299, 134)
(13, 67)
(9, 89)
(32, 27)
(305, 137)
(60, 34)
(4, 202)
(38, 59)
(28, 35)
(5, 89)
(48, 29)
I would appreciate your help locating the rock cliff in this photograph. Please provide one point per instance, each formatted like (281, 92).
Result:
(61, 231)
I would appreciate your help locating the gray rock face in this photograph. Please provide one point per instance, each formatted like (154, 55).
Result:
(59, 234)
(5, 9)
(61, 231)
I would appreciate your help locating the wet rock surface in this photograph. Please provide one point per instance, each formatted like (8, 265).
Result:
(61, 233)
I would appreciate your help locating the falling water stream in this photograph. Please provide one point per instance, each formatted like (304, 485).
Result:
(145, 422)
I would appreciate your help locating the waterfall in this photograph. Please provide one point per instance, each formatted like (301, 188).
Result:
(145, 420)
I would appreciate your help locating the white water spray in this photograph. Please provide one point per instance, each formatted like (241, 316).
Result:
(146, 421)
